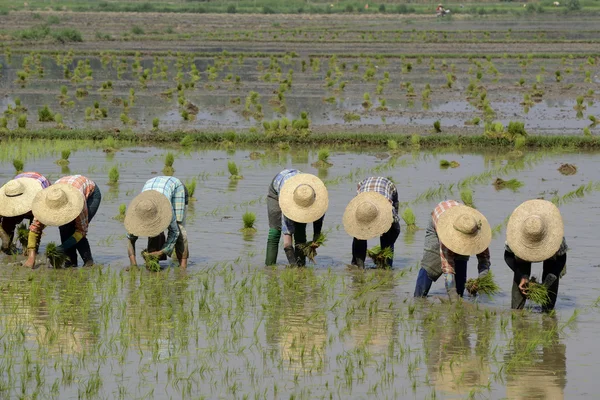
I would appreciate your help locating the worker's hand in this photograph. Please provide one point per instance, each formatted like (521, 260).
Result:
(523, 285)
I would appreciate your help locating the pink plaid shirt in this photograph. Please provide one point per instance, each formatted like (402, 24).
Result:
(86, 186)
(446, 255)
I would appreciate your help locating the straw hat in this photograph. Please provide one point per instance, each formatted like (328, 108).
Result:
(303, 198)
(464, 230)
(58, 204)
(148, 214)
(535, 230)
(368, 215)
(17, 195)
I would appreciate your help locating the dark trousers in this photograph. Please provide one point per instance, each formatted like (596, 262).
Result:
(9, 224)
(67, 230)
(522, 268)
(388, 239)
(424, 282)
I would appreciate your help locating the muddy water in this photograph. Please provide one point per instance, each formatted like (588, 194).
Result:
(327, 106)
(228, 327)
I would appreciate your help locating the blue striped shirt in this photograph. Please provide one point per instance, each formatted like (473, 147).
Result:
(287, 225)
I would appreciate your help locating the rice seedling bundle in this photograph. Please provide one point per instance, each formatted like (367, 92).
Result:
(151, 262)
(249, 218)
(191, 187)
(233, 170)
(380, 256)
(466, 195)
(485, 285)
(309, 251)
(512, 184)
(55, 258)
(23, 235)
(323, 161)
(19, 165)
(409, 218)
(537, 292)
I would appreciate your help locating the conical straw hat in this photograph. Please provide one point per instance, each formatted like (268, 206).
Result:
(368, 215)
(58, 204)
(464, 230)
(17, 195)
(148, 214)
(303, 198)
(535, 230)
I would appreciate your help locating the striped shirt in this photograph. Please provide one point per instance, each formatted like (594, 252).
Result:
(86, 187)
(175, 191)
(446, 255)
(287, 225)
(383, 186)
(35, 175)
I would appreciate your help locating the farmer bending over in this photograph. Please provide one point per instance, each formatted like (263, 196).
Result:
(70, 204)
(16, 197)
(373, 212)
(161, 205)
(455, 232)
(535, 233)
(294, 199)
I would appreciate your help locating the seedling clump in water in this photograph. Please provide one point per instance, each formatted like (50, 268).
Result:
(323, 161)
(512, 184)
(191, 188)
(380, 257)
(536, 292)
(409, 218)
(19, 165)
(449, 164)
(64, 158)
(249, 218)
(55, 258)
(151, 262)
(233, 171)
(466, 195)
(169, 160)
(122, 211)
(311, 252)
(485, 285)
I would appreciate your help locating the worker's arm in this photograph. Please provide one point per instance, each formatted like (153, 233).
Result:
(131, 249)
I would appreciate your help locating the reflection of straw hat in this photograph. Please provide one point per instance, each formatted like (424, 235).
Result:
(303, 198)
(17, 195)
(148, 214)
(58, 204)
(464, 230)
(368, 215)
(535, 230)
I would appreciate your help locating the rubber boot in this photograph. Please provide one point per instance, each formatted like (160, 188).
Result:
(517, 298)
(83, 247)
(423, 284)
(360, 263)
(300, 256)
(551, 282)
(272, 246)
(290, 253)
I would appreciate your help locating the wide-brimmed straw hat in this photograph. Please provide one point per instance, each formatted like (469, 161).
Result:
(148, 214)
(303, 198)
(17, 195)
(368, 215)
(58, 204)
(535, 230)
(464, 230)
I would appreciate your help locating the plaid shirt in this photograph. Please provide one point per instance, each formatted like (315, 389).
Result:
(383, 186)
(35, 175)
(287, 225)
(87, 187)
(175, 191)
(446, 254)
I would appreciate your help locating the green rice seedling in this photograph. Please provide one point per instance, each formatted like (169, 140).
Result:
(593, 120)
(59, 120)
(187, 141)
(124, 119)
(19, 165)
(22, 121)
(520, 142)
(249, 218)
(449, 164)
(64, 158)
(380, 257)
(233, 170)
(323, 161)
(169, 161)
(537, 292)
(485, 285)
(310, 251)
(415, 140)
(113, 175)
(409, 219)
(191, 188)
(151, 262)
(587, 132)
(466, 196)
(56, 258)
(3, 123)
(350, 117)
(122, 211)
(512, 184)
(437, 125)
(155, 123)
(23, 235)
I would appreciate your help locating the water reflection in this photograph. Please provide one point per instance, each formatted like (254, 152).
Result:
(536, 360)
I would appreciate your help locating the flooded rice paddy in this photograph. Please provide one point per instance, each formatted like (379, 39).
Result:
(228, 327)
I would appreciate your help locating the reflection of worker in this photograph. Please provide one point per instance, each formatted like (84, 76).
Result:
(535, 233)
(373, 212)
(454, 366)
(455, 232)
(161, 205)
(544, 374)
(294, 199)
(16, 198)
(70, 204)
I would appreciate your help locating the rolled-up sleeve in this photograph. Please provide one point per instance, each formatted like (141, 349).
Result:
(172, 235)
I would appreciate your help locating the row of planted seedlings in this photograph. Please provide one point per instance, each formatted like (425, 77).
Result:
(338, 76)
